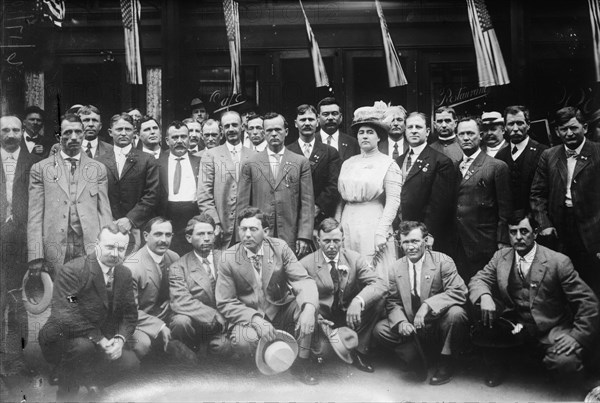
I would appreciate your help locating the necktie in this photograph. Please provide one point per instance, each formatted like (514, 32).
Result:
(416, 301)
(395, 153)
(256, 263)
(163, 291)
(329, 139)
(307, 150)
(464, 165)
(88, 150)
(156, 154)
(206, 264)
(234, 155)
(177, 176)
(514, 150)
(73, 162)
(409, 160)
(520, 268)
(275, 166)
(31, 139)
(335, 276)
(109, 279)
(571, 153)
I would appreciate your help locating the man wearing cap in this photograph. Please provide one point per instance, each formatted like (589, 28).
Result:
(261, 287)
(279, 182)
(531, 297)
(150, 137)
(395, 144)
(219, 178)
(444, 123)
(330, 119)
(68, 201)
(93, 316)
(211, 135)
(34, 141)
(150, 272)
(198, 110)
(255, 133)
(350, 293)
(426, 301)
(493, 132)
(324, 160)
(521, 156)
(192, 280)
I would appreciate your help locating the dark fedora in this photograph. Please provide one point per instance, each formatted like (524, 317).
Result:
(343, 340)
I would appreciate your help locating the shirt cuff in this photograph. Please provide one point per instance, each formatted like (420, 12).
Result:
(118, 336)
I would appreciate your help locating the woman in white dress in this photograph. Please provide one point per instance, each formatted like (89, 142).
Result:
(370, 185)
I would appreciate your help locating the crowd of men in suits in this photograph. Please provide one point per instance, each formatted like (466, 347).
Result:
(227, 237)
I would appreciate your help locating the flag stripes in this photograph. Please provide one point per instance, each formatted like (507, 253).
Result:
(490, 63)
(232, 23)
(131, 13)
(55, 10)
(396, 75)
(595, 20)
(321, 78)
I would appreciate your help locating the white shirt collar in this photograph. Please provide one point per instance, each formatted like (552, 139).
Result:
(336, 259)
(103, 267)
(452, 137)
(231, 147)
(271, 153)
(65, 156)
(259, 252)
(94, 143)
(521, 146)
(157, 258)
(122, 151)
(499, 146)
(473, 156)
(529, 256)
(5, 154)
(209, 257)
(418, 150)
(578, 149)
(174, 157)
(324, 135)
(302, 143)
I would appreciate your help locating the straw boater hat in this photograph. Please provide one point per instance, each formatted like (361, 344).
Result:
(371, 116)
(37, 292)
(276, 356)
(343, 340)
(492, 118)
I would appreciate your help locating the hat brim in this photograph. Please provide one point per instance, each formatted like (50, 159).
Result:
(31, 305)
(259, 356)
(337, 345)
(380, 128)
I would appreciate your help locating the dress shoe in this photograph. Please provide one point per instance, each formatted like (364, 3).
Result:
(495, 376)
(359, 360)
(442, 375)
(304, 371)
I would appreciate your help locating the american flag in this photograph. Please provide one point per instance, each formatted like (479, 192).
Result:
(595, 19)
(131, 13)
(321, 79)
(396, 75)
(232, 22)
(490, 64)
(55, 11)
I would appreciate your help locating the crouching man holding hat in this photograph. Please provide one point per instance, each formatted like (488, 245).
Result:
(262, 288)
(350, 293)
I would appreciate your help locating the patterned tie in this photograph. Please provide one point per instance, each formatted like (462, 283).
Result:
(257, 263)
(307, 150)
(88, 150)
(464, 165)
(409, 160)
(520, 267)
(110, 278)
(571, 153)
(329, 139)
(395, 154)
(73, 162)
(335, 276)
(177, 176)
(206, 264)
(275, 166)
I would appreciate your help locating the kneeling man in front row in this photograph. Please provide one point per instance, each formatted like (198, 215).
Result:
(350, 292)
(531, 296)
(261, 287)
(425, 303)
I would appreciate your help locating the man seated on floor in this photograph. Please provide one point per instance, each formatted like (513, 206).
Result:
(350, 293)
(150, 271)
(196, 320)
(262, 287)
(93, 315)
(425, 304)
(531, 296)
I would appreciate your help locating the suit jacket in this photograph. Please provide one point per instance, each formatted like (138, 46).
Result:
(450, 149)
(384, 147)
(427, 191)
(558, 296)
(441, 288)
(549, 188)
(347, 146)
(101, 149)
(20, 193)
(239, 294)
(287, 200)
(80, 305)
(325, 167)
(49, 199)
(47, 143)
(484, 204)
(135, 194)
(190, 287)
(151, 310)
(163, 174)
(522, 178)
(361, 280)
(218, 188)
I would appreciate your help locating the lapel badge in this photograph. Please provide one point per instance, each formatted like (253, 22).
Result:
(427, 277)
(583, 157)
(534, 284)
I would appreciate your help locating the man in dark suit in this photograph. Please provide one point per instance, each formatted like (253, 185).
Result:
(92, 123)
(14, 197)
(538, 293)
(444, 122)
(330, 119)
(178, 172)
(150, 273)
(350, 293)
(254, 292)
(427, 298)
(133, 180)
(279, 182)
(150, 137)
(34, 140)
(565, 195)
(324, 160)
(521, 156)
(428, 185)
(483, 202)
(395, 144)
(218, 182)
(192, 280)
(93, 316)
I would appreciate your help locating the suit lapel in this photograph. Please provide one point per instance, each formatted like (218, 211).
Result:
(427, 274)
(98, 279)
(246, 269)
(404, 286)
(503, 272)
(151, 267)
(130, 161)
(265, 167)
(267, 264)
(537, 272)
(475, 166)
(583, 159)
(227, 160)
(422, 159)
(163, 173)
(561, 165)
(199, 275)
(344, 277)
(84, 169)
(63, 174)
(111, 165)
(284, 167)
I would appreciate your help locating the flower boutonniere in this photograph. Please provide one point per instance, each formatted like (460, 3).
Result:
(343, 268)
(583, 157)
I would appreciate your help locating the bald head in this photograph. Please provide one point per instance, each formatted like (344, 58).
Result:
(11, 132)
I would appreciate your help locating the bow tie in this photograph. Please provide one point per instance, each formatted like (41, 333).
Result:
(571, 153)
(31, 139)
